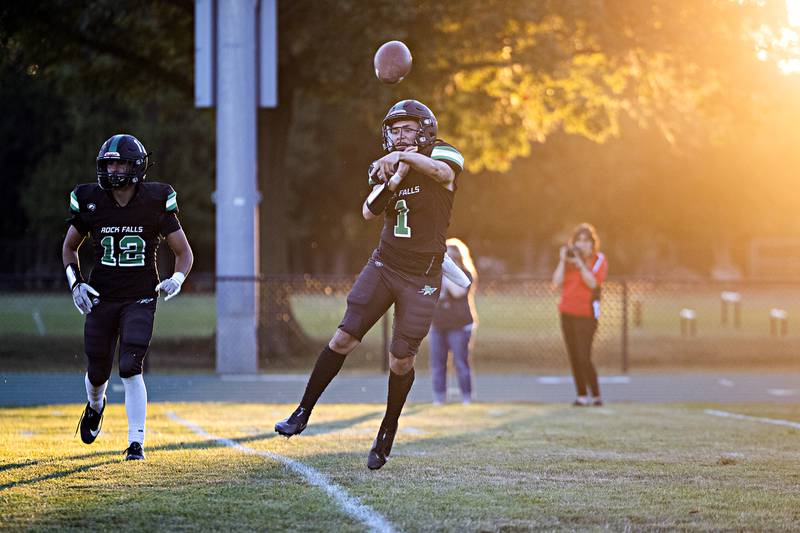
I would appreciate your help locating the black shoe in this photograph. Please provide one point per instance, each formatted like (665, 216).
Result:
(381, 449)
(295, 424)
(90, 423)
(134, 452)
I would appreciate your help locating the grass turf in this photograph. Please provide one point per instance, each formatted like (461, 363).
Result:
(483, 467)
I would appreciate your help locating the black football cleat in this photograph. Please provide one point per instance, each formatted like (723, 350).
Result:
(381, 449)
(91, 423)
(295, 424)
(135, 452)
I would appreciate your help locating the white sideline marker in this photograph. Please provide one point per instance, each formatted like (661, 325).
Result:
(558, 380)
(265, 377)
(773, 421)
(37, 319)
(349, 504)
(782, 392)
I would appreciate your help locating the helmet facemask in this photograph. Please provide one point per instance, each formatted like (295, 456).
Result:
(420, 139)
(122, 148)
(117, 180)
(410, 110)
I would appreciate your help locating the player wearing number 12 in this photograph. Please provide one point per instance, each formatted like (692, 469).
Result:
(126, 219)
(413, 188)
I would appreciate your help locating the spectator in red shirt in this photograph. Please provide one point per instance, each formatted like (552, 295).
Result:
(580, 273)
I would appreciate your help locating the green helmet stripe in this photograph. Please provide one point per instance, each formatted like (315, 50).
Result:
(114, 142)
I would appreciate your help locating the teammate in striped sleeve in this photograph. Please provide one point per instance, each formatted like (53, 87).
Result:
(126, 219)
(412, 189)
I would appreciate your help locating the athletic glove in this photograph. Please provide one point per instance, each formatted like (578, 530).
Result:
(80, 289)
(81, 298)
(172, 285)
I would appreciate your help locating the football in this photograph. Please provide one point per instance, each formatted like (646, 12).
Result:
(392, 62)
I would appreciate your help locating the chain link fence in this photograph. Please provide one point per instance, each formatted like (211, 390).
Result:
(645, 324)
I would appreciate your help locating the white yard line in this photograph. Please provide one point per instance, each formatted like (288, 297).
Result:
(558, 380)
(265, 377)
(349, 504)
(773, 421)
(725, 382)
(782, 392)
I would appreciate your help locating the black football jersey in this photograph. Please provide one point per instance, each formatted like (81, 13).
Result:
(417, 216)
(125, 239)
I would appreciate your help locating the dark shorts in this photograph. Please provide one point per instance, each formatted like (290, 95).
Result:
(130, 322)
(376, 289)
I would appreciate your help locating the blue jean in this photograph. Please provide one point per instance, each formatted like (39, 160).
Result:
(444, 341)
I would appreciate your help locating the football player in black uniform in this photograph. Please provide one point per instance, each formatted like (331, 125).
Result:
(413, 188)
(126, 218)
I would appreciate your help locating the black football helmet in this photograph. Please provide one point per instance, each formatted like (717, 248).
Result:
(122, 147)
(412, 109)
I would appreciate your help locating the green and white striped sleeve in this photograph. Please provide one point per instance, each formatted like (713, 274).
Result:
(74, 206)
(448, 154)
(172, 201)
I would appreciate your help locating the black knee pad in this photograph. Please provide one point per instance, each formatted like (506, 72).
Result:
(98, 372)
(402, 348)
(132, 352)
(131, 361)
(136, 330)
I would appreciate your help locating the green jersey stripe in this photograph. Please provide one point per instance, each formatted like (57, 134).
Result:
(449, 154)
(458, 161)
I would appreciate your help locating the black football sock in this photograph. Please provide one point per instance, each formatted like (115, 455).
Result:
(399, 385)
(328, 365)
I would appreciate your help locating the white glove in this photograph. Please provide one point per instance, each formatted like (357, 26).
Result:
(172, 285)
(454, 273)
(81, 298)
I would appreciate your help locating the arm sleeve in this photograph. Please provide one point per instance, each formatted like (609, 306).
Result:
(171, 201)
(76, 218)
(451, 156)
(168, 221)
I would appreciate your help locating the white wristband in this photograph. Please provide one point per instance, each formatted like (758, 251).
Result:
(179, 277)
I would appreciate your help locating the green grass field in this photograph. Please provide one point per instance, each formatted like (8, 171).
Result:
(493, 467)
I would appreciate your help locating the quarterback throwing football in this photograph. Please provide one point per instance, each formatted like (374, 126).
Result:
(412, 188)
(126, 219)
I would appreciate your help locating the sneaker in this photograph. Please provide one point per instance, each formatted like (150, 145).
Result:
(381, 449)
(295, 424)
(91, 423)
(597, 402)
(580, 403)
(134, 452)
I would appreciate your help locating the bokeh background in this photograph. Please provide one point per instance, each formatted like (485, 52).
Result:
(669, 125)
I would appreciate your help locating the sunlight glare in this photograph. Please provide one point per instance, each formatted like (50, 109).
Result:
(793, 12)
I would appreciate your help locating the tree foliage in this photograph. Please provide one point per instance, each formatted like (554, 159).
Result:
(565, 110)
